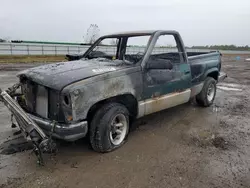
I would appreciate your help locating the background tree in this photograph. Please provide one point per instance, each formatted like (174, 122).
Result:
(92, 34)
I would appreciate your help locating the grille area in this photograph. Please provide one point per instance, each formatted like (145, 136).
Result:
(36, 98)
(42, 101)
(28, 89)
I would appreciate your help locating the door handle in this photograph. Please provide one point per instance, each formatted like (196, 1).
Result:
(187, 72)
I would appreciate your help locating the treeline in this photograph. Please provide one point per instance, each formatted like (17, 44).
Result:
(224, 47)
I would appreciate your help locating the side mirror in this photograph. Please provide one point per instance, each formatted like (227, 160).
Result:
(159, 64)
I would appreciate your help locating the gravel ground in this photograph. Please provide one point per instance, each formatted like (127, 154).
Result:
(186, 146)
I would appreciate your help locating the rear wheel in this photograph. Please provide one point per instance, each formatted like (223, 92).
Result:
(207, 95)
(109, 127)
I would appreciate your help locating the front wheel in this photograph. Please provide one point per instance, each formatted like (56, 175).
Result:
(206, 96)
(109, 127)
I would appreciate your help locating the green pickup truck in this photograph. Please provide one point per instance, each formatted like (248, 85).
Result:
(121, 77)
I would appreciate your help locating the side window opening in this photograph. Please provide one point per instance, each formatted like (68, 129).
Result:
(136, 48)
(166, 49)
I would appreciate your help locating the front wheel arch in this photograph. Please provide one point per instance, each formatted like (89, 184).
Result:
(128, 100)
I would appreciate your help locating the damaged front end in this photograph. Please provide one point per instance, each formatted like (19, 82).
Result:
(42, 143)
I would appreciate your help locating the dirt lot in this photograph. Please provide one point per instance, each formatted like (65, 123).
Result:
(186, 146)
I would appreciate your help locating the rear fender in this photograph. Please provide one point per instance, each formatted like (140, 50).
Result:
(212, 70)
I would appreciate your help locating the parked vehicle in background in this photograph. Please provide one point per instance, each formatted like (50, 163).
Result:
(102, 91)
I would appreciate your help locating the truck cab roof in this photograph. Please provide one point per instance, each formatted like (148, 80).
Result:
(139, 33)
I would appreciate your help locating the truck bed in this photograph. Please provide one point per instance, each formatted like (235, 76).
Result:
(200, 62)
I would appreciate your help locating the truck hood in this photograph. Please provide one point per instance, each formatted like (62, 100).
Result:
(59, 75)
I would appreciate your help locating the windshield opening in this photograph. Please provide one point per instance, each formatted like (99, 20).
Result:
(129, 49)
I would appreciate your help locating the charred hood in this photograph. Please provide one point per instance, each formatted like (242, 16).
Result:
(59, 75)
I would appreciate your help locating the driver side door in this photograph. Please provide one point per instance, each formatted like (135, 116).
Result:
(167, 76)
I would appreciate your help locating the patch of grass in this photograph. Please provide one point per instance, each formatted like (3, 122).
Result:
(31, 58)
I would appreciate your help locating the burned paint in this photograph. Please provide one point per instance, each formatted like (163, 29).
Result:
(94, 92)
(167, 81)
(67, 72)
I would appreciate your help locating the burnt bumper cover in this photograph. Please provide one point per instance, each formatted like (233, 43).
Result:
(222, 76)
(42, 128)
(68, 132)
(39, 131)
(26, 124)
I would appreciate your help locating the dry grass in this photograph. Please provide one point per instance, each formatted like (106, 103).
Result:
(31, 58)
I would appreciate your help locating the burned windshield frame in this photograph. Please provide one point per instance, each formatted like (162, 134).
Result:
(91, 48)
(121, 45)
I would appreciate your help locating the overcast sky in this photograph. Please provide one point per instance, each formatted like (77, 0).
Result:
(200, 22)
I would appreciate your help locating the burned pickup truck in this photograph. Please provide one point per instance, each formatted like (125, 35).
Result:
(98, 94)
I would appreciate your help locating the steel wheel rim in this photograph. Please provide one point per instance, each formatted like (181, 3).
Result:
(210, 92)
(119, 128)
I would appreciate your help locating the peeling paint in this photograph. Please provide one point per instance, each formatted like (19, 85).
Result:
(92, 93)
(163, 102)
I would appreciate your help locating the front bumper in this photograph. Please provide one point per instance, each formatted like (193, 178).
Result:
(68, 132)
(222, 76)
(39, 129)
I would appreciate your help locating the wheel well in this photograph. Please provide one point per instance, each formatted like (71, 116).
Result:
(214, 75)
(128, 100)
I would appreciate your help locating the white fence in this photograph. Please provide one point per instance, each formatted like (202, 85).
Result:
(39, 49)
(48, 49)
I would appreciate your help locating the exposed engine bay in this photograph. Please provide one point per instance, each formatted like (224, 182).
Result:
(31, 131)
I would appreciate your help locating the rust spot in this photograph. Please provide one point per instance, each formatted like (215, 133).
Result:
(156, 94)
(166, 101)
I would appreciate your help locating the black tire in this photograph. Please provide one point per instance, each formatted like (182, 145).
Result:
(100, 127)
(202, 98)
